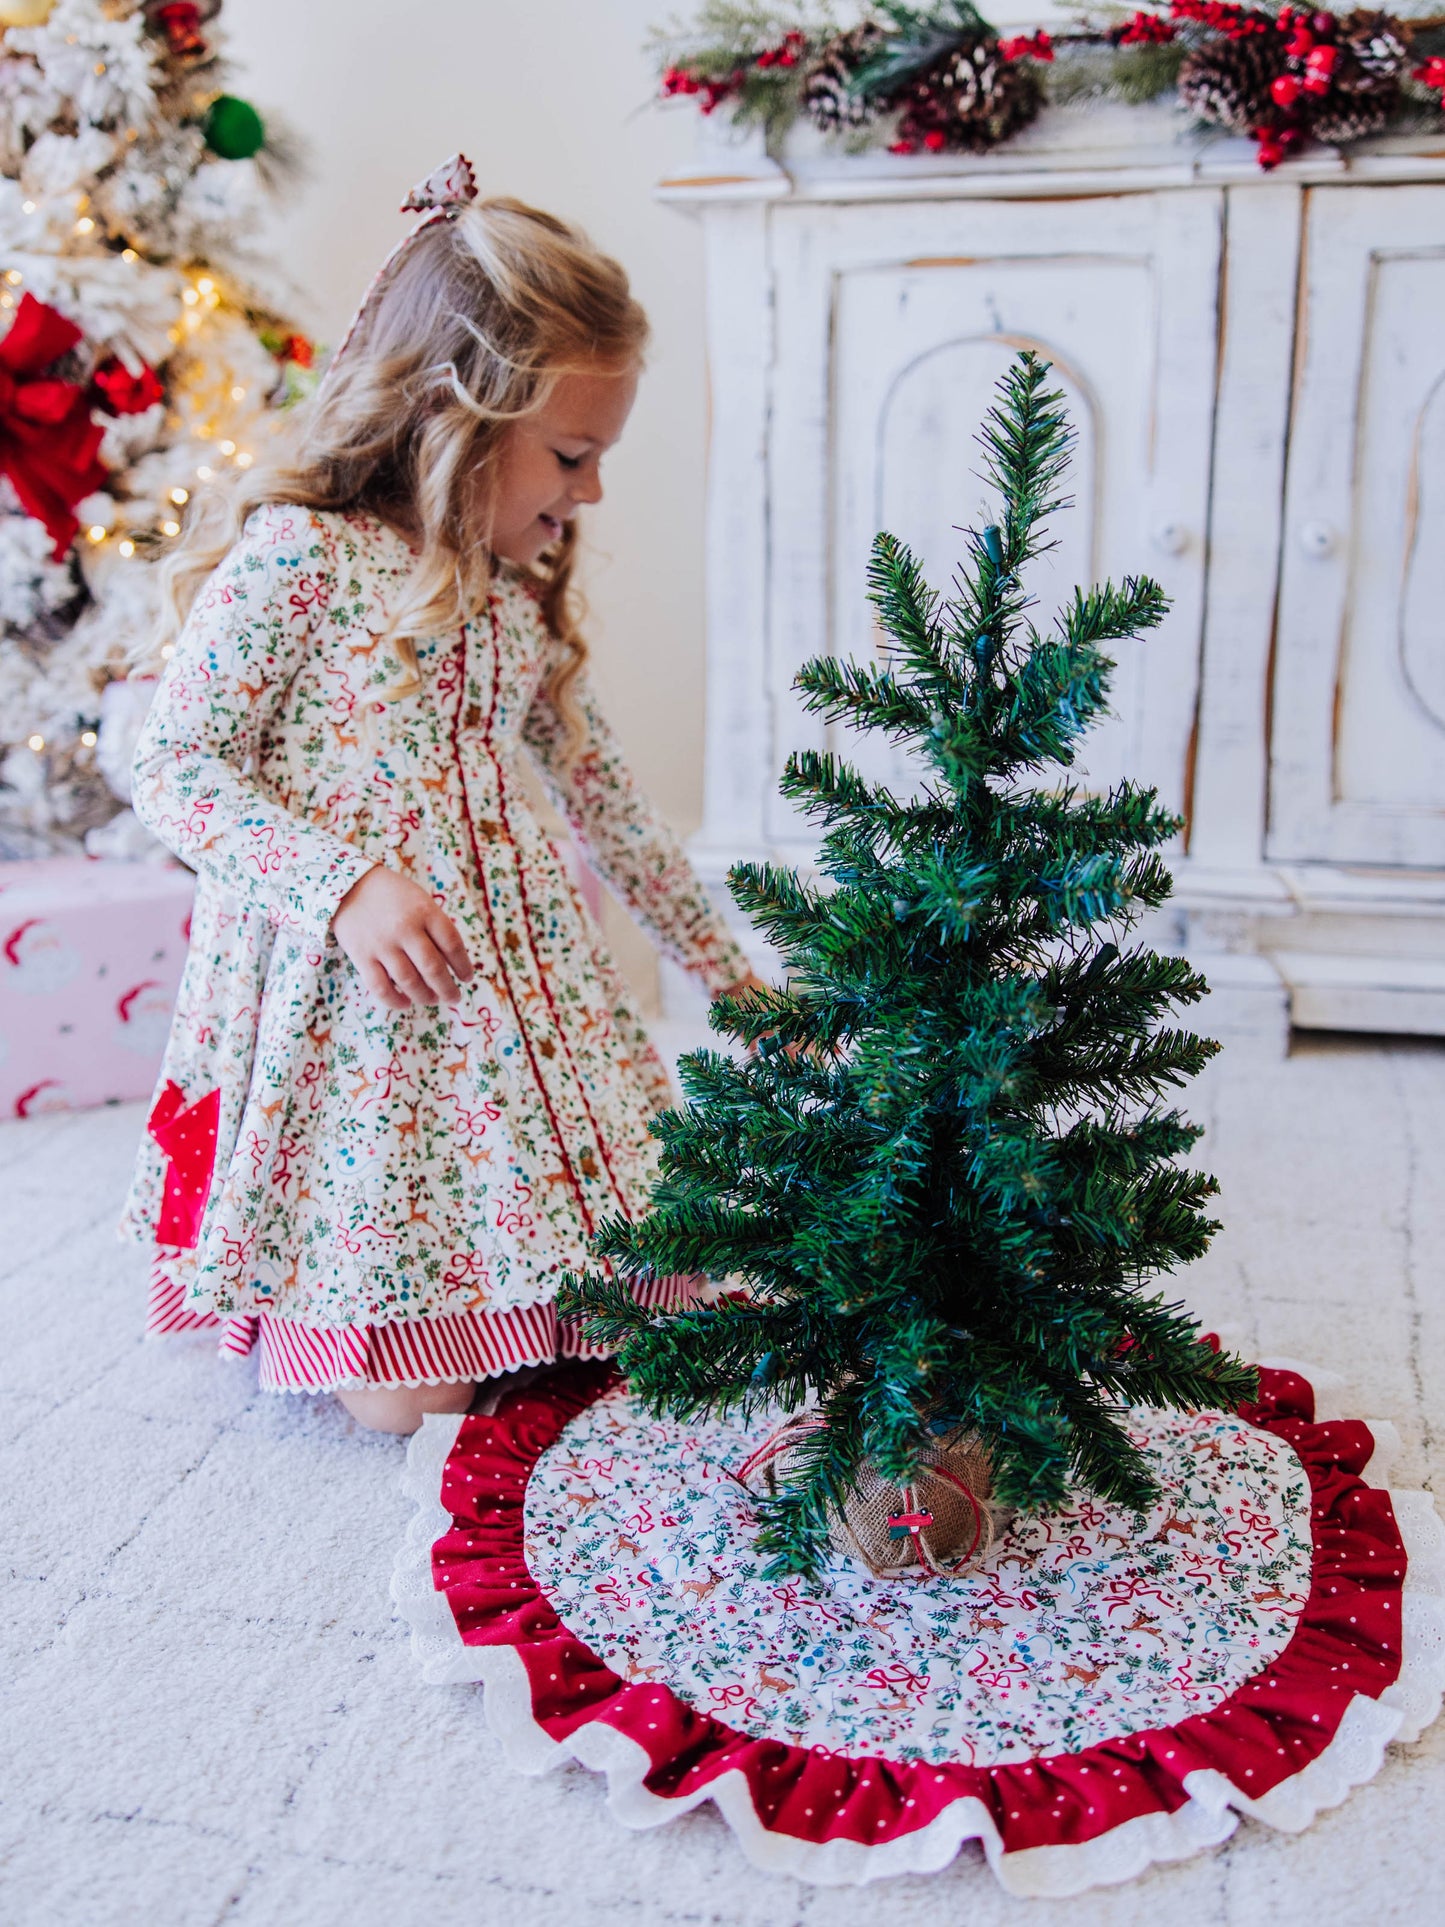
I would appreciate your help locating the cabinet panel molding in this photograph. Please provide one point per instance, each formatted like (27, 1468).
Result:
(1256, 371)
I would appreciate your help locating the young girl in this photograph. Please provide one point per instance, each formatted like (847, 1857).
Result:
(404, 1082)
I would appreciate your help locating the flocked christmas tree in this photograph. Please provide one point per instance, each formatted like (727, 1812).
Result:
(942, 1186)
(139, 356)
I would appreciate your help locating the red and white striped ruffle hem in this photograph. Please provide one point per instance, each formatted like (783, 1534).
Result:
(459, 1346)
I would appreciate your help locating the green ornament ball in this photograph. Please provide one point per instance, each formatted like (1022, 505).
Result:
(234, 129)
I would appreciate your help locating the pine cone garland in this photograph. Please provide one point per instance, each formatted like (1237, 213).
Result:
(1227, 82)
(969, 102)
(827, 99)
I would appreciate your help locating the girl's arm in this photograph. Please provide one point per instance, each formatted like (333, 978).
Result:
(225, 687)
(628, 842)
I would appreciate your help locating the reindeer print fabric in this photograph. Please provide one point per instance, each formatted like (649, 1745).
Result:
(1087, 1624)
(372, 1164)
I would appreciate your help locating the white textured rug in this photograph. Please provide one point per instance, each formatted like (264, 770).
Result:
(208, 1715)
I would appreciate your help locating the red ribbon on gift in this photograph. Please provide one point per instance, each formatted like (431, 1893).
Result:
(187, 1135)
(48, 441)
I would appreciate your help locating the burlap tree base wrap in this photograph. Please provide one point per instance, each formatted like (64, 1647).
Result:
(943, 1521)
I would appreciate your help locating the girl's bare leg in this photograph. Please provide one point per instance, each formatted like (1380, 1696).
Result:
(401, 1408)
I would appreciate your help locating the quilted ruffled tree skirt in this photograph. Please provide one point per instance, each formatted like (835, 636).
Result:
(1098, 1697)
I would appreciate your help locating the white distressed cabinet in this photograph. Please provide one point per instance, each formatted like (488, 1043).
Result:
(1256, 369)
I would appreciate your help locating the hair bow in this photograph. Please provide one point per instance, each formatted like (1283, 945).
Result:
(453, 184)
(444, 193)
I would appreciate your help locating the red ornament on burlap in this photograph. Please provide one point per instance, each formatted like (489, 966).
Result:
(48, 441)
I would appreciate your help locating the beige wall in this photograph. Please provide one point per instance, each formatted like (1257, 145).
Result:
(550, 99)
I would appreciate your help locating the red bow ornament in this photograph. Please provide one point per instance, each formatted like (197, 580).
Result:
(48, 441)
(187, 1135)
(180, 22)
(124, 393)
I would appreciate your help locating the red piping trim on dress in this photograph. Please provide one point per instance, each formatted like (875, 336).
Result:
(487, 902)
(557, 1023)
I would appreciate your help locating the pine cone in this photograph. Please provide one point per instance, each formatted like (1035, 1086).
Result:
(971, 101)
(1365, 85)
(826, 99)
(1227, 82)
(1348, 113)
(1375, 45)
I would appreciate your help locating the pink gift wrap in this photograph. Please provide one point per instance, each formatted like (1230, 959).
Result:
(91, 954)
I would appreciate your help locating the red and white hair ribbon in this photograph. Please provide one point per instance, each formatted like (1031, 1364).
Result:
(452, 185)
(440, 197)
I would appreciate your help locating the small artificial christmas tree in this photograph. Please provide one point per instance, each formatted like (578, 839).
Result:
(942, 1183)
(139, 357)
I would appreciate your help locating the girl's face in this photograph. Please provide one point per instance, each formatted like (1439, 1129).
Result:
(550, 461)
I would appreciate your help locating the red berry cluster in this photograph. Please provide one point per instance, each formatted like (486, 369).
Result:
(1141, 30)
(713, 89)
(711, 93)
(785, 55)
(1312, 52)
(1233, 22)
(935, 140)
(1313, 57)
(1027, 46)
(1432, 74)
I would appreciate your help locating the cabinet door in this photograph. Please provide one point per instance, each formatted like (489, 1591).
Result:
(911, 313)
(1357, 754)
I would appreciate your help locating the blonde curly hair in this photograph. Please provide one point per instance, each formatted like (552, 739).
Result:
(481, 317)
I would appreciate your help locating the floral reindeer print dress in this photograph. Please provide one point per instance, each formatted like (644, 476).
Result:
(388, 1195)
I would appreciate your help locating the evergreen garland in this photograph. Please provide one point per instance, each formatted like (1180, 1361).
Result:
(1284, 75)
(940, 1184)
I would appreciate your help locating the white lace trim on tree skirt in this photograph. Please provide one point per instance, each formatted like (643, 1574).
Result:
(1210, 1814)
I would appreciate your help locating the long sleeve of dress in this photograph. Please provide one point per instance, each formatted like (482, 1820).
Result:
(628, 842)
(225, 687)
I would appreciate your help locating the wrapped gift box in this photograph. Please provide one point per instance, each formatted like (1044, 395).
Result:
(91, 954)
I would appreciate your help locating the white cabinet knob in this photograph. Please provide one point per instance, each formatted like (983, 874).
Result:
(1171, 538)
(1317, 539)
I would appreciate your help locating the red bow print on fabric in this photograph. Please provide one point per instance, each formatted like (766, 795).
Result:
(48, 441)
(188, 1138)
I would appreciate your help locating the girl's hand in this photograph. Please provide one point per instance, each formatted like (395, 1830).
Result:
(743, 985)
(740, 989)
(406, 950)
